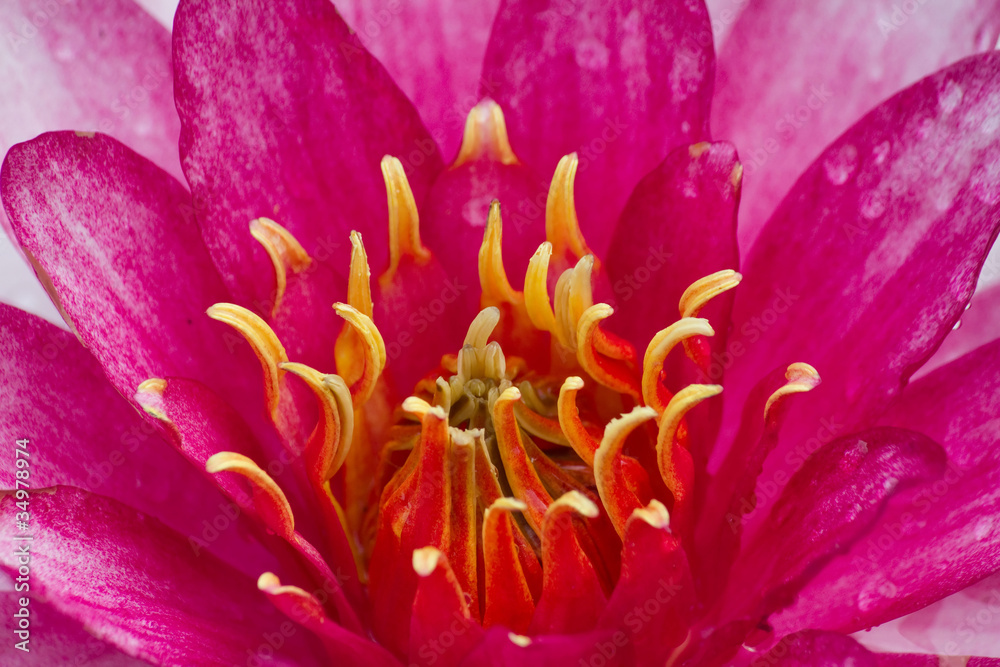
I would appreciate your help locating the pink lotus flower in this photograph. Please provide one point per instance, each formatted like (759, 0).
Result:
(431, 473)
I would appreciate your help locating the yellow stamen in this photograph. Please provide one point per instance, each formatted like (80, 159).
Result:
(658, 350)
(608, 476)
(404, 221)
(536, 290)
(285, 251)
(485, 135)
(425, 560)
(349, 348)
(562, 228)
(565, 324)
(580, 439)
(581, 295)
(156, 387)
(682, 403)
(519, 640)
(374, 351)
(655, 514)
(268, 498)
(331, 439)
(264, 343)
(492, 275)
(801, 378)
(306, 604)
(704, 290)
(611, 373)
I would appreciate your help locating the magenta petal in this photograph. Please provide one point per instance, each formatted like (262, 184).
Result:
(980, 324)
(621, 83)
(867, 264)
(112, 232)
(827, 505)
(135, 583)
(792, 76)
(811, 648)
(678, 226)
(608, 648)
(897, 568)
(434, 51)
(284, 116)
(81, 432)
(54, 639)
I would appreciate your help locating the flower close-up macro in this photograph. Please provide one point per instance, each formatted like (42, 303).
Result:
(485, 333)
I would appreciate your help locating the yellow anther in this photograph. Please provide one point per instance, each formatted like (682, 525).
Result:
(485, 135)
(519, 640)
(581, 293)
(148, 394)
(562, 228)
(425, 560)
(618, 500)
(565, 324)
(536, 290)
(658, 350)
(359, 291)
(482, 327)
(264, 343)
(349, 349)
(404, 221)
(492, 276)
(331, 440)
(416, 406)
(580, 439)
(572, 501)
(612, 373)
(681, 403)
(374, 351)
(702, 291)
(801, 378)
(268, 498)
(655, 514)
(306, 605)
(286, 254)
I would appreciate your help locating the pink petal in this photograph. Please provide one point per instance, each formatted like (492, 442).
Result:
(134, 583)
(792, 76)
(678, 226)
(611, 649)
(868, 263)
(809, 648)
(115, 236)
(434, 52)
(199, 424)
(937, 540)
(826, 506)
(655, 588)
(283, 115)
(622, 83)
(54, 639)
(83, 433)
(89, 66)
(84, 66)
(980, 324)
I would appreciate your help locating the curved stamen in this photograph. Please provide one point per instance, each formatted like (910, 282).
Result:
(374, 349)
(404, 221)
(653, 391)
(562, 228)
(286, 254)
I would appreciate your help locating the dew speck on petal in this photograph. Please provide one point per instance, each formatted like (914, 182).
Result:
(950, 97)
(840, 164)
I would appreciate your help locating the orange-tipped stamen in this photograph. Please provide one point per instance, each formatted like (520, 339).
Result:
(492, 275)
(485, 135)
(330, 441)
(268, 498)
(653, 392)
(374, 351)
(286, 254)
(617, 490)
